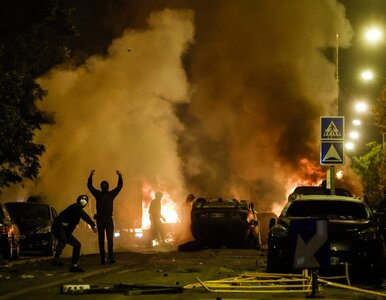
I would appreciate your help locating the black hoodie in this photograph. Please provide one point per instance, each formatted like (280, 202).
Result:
(72, 215)
(104, 199)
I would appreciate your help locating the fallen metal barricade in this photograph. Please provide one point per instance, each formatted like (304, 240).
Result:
(352, 288)
(259, 283)
(307, 282)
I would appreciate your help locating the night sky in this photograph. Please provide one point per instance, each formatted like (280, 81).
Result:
(215, 98)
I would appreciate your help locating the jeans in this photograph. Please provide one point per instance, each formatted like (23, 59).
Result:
(105, 226)
(64, 237)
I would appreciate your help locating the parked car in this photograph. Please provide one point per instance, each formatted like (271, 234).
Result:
(34, 221)
(225, 222)
(317, 190)
(354, 236)
(9, 235)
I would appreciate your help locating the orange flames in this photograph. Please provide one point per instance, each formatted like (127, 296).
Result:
(168, 206)
(309, 173)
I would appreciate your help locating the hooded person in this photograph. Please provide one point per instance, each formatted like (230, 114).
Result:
(104, 215)
(63, 227)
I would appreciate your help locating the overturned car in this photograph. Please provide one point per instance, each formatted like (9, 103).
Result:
(225, 223)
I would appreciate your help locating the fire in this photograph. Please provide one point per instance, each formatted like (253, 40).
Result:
(168, 206)
(276, 208)
(309, 173)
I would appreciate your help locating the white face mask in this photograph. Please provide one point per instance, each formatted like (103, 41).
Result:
(83, 202)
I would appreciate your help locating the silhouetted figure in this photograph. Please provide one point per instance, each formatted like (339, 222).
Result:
(63, 227)
(104, 215)
(155, 215)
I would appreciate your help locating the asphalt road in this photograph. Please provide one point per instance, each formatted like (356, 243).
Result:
(162, 274)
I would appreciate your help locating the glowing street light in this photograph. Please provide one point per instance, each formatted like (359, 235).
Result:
(354, 135)
(373, 35)
(349, 146)
(367, 75)
(356, 122)
(361, 106)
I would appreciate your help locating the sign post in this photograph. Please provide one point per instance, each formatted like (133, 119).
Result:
(331, 144)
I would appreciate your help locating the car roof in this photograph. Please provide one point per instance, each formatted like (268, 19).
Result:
(311, 189)
(327, 197)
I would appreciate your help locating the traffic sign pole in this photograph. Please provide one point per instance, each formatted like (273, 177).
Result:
(331, 148)
(332, 179)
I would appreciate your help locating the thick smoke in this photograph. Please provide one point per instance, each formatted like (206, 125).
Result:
(117, 113)
(216, 98)
(262, 82)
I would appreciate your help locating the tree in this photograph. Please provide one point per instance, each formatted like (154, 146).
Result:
(368, 168)
(380, 120)
(33, 37)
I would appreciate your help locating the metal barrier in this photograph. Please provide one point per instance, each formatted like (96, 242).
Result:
(259, 283)
(307, 282)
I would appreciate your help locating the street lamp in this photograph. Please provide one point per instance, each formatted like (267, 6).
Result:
(354, 135)
(361, 106)
(367, 75)
(373, 35)
(356, 122)
(349, 145)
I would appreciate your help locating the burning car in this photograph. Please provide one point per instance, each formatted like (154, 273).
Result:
(225, 222)
(354, 238)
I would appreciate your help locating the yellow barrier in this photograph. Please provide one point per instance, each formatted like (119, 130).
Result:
(258, 283)
(352, 288)
(277, 283)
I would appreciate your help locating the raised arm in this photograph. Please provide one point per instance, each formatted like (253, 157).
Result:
(120, 182)
(89, 183)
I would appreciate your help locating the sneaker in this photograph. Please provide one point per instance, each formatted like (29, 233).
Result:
(103, 261)
(56, 262)
(76, 268)
(111, 260)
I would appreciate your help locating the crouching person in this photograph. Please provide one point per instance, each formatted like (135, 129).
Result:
(63, 227)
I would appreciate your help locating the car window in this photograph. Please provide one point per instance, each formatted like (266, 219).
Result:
(26, 211)
(326, 208)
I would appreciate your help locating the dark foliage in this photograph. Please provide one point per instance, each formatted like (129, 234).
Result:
(33, 38)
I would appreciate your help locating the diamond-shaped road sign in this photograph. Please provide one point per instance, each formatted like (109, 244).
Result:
(331, 140)
(310, 240)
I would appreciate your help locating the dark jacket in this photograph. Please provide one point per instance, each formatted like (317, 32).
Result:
(104, 199)
(71, 216)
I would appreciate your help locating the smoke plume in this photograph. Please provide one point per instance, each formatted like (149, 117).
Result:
(216, 98)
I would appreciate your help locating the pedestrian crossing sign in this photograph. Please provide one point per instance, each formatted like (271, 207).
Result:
(331, 140)
(332, 128)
